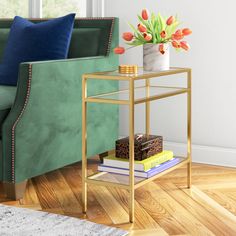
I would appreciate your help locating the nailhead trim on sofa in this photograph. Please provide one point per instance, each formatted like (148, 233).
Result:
(16, 122)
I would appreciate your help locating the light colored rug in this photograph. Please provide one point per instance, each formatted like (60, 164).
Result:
(24, 222)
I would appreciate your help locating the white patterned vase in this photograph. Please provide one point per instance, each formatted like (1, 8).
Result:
(153, 60)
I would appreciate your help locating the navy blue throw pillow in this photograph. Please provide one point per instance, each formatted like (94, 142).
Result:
(28, 42)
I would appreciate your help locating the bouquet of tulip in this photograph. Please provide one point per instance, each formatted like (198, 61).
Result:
(156, 29)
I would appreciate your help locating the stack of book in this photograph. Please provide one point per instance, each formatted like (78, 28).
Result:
(145, 168)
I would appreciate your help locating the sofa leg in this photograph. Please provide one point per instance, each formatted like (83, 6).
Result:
(102, 155)
(14, 191)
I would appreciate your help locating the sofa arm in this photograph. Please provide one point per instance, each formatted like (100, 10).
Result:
(43, 130)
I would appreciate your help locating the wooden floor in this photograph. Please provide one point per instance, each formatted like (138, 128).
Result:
(163, 207)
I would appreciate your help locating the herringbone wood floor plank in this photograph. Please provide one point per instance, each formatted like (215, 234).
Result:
(162, 207)
(215, 225)
(143, 218)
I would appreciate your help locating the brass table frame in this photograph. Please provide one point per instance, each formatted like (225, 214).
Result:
(131, 103)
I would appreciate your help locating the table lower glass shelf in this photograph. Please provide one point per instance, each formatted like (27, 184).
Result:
(122, 181)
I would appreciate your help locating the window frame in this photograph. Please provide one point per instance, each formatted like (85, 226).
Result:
(35, 8)
(91, 8)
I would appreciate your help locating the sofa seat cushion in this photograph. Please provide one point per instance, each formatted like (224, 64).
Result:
(7, 97)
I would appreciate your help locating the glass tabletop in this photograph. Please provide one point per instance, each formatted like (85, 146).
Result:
(141, 74)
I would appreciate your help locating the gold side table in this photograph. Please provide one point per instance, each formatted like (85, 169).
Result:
(151, 93)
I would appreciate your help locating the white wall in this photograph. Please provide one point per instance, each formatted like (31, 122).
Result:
(213, 61)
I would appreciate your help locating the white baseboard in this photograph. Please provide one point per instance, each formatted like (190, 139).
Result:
(205, 154)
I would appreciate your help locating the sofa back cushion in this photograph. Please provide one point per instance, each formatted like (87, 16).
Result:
(84, 42)
(100, 28)
(80, 40)
(105, 25)
(4, 33)
(27, 41)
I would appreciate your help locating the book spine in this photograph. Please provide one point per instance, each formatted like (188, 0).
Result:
(141, 174)
(158, 161)
(163, 167)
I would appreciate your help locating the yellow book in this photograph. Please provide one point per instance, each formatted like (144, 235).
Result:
(143, 165)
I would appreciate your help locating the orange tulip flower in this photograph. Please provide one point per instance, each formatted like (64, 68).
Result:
(147, 37)
(177, 35)
(175, 44)
(162, 49)
(128, 36)
(170, 20)
(119, 50)
(142, 28)
(186, 31)
(184, 45)
(178, 32)
(163, 34)
(145, 14)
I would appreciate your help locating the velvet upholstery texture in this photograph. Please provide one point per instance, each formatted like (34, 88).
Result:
(27, 41)
(80, 40)
(7, 97)
(4, 33)
(42, 131)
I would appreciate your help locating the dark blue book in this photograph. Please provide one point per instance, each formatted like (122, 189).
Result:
(143, 174)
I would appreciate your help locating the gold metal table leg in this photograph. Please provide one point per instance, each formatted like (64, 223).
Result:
(147, 107)
(84, 144)
(131, 151)
(189, 129)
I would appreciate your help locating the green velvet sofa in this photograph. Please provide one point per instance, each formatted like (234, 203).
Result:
(40, 118)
